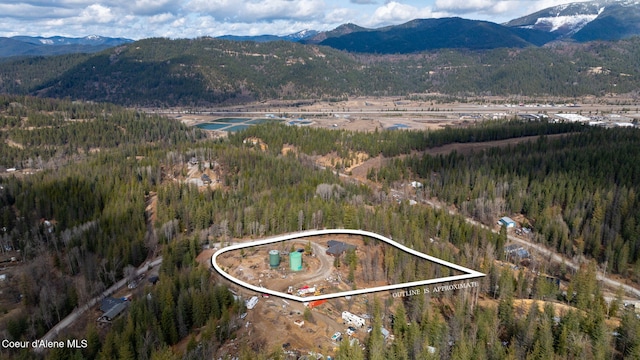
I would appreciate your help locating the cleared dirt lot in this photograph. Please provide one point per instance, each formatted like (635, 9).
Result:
(318, 271)
(272, 322)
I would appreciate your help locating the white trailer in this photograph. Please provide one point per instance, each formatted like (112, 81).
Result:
(251, 303)
(352, 319)
(307, 290)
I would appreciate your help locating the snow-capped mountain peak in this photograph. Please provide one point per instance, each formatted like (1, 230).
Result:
(566, 19)
(302, 34)
(595, 17)
(571, 24)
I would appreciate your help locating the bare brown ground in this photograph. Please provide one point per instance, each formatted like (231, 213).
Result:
(14, 144)
(252, 265)
(271, 323)
(152, 207)
(360, 171)
(204, 258)
(466, 148)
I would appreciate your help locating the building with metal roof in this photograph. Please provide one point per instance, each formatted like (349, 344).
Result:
(507, 221)
(336, 248)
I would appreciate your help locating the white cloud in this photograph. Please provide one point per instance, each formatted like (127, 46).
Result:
(340, 16)
(55, 23)
(543, 4)
(493, 10)
(464, 6)
(161, 18)
(154, 7)
(138, 19)
(214, 7)
(30, 11)
(265, 10)
(393, 13)
(272, 9)
(96, 13)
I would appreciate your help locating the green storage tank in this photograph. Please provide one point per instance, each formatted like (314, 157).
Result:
(274, 258)
(295, 261)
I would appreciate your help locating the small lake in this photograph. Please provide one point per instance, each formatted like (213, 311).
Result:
(233, 124)
(212, 126)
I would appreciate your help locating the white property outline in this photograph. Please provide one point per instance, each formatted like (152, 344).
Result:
(468, 273)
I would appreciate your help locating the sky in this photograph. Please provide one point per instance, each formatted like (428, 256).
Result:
(138, 19)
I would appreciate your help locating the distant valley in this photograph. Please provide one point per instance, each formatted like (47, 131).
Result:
(554, 52)
(210, 72)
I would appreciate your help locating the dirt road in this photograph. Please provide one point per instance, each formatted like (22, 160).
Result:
(326, 265)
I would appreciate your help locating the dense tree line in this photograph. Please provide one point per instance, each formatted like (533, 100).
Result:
(173, 309)
(41, 133)
(578, 191)
(184, 303)
(266, 195)
(83, 223)
(22, 75)
(78, 224)
(314, 141)
(453, 330)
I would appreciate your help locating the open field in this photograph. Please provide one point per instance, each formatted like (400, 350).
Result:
(368, 114)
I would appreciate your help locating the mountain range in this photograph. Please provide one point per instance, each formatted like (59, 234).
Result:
(430, 34)
(56, 45)
(581, 22)
(576, 22)
(205, 71)
(295, 37)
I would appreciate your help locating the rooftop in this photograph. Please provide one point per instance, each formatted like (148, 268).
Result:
(109, 303)
(336, 248)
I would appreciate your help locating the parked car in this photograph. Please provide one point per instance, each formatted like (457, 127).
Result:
(337, 336)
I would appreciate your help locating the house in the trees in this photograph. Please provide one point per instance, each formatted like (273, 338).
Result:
(507, 222)
(112, 307)
(336, 248)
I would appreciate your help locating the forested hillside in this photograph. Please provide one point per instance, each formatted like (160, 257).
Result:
(579, 195)
(44, 133)
(77, 211)
(202, 72)
(575, 186)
